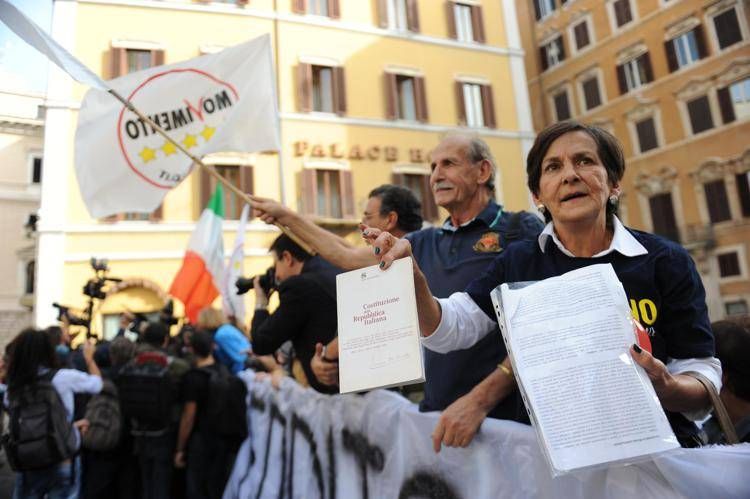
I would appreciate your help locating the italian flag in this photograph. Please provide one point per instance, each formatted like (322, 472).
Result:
(197, 283)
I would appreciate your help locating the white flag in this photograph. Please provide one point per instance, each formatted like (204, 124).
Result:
(234, 304)
(35, 36)
(218, 102)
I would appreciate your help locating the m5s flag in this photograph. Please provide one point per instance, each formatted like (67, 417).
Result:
(218, 102)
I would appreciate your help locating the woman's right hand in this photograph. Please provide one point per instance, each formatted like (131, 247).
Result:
(387, 247)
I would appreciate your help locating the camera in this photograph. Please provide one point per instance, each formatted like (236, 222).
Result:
(267, 282)
(166, 314)
(64, 312)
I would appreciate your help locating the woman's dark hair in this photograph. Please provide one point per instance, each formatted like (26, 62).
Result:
(32, 349)
(608, 148)
(733, 349)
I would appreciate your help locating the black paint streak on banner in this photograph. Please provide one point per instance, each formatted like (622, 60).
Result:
(331, 466)
(275, 416)
(365, 455)
(426, 485)
(301, 426)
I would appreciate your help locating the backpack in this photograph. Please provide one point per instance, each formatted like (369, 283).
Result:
(226, 411)
(39, 433)
(146, 392)
(105, 419)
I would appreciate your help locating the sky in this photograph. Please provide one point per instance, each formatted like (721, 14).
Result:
(22, 68)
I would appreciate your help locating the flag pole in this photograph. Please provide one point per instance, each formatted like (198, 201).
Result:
(207, 168)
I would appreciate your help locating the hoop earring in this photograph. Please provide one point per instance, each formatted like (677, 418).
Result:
(613, 200)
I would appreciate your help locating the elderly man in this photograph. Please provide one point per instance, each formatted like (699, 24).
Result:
(467, 384)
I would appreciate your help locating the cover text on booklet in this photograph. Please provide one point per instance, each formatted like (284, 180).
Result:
(568, 337)
(378, 328)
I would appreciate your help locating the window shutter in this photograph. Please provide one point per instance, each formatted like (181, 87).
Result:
(157, 214)
(347, 194)
(304, 87)
(309, 191)
(488, 107)
(420, 99)
(537, 14)
(543, 57)
(119, 62)
(429, 208)
(451, 19)
(716, 199)
(334, 12)
(204, 191)
(398, 179)
(246, 179)
(299, 7)
(646, 58)
(743, 191)
(561, 46)
(700, 40)
(725, 104)
(621, 81)
(391, 95)
(671, 56)
(700, 114)
(157, 58)
(662, 215)
(339, 91)
(412, 16)
(646, 130)
(477, 23)
(460, 104)
(383, 13)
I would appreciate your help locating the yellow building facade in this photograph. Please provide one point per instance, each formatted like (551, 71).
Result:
(671, 79)
(366, 88)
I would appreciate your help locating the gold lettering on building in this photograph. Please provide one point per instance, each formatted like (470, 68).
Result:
(356, 152)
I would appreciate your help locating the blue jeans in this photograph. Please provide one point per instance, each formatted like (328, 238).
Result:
(56, 482)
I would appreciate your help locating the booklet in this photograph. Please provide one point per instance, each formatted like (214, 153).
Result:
(568, 339)
(378, 327)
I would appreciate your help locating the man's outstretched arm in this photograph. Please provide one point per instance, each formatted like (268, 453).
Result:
(331, 247)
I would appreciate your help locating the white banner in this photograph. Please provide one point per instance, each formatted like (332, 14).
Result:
(307, 445)
(218, 102)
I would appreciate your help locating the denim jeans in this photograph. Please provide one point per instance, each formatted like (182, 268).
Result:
(55, 482)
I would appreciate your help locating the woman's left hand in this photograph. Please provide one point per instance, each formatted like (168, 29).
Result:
(662, 380)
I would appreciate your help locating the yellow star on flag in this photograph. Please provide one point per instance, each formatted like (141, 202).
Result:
(147, 154)
(208, 132)
(189, 141)
(168, 148)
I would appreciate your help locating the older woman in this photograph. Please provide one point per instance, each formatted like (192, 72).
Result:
(574, 173)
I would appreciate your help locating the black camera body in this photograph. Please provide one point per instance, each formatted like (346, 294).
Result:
(64, 312)
(267, 282)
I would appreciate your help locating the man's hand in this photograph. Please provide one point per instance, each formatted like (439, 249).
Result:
(458, 423)
(261, 298)
(269, 210)
(387, 247)
(89, 347)
(326, 371)
(179, 459)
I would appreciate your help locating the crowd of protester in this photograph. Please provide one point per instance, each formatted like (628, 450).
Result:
(155, 415)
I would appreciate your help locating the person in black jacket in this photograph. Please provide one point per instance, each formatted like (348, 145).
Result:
(307, 306)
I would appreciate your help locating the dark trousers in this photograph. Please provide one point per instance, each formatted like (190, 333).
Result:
(110, 475)
(209, 464)
(155, 458)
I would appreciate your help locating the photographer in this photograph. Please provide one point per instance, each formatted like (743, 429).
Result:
(307, 306)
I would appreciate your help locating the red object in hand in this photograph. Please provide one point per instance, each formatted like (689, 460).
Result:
(643, 339)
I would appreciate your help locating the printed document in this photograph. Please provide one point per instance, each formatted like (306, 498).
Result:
(568, 337)
(378, 328)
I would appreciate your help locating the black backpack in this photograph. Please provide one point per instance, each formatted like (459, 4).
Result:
(226, 411)
(147, 393)
(105, 419)
(39, 433)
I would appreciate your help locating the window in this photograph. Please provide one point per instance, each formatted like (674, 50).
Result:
(36, 169)
(399, 15)
(405, 97)
(717, 201)
(327, 192)
(465, 22)
(552, 53)
(240, 176)
(729, 265)
(634, 73)
(581, 35)
(646, 131)
(743, 192)
(737, 307)
(562, 105)
(591, 95)
(699, 111)
(727, 28)
(29, 275)
(475, 105)
(327, 8)
(543, 8)
(662, 215)
(321, 88)
(419, 184)
(734, 101)
(622, 12)
(685, 49)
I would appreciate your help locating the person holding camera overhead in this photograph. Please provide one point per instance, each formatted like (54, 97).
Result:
(307, 306)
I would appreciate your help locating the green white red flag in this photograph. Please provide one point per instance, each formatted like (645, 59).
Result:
(198, 281)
